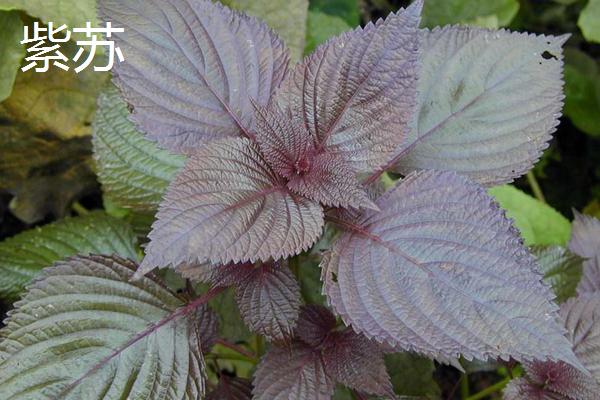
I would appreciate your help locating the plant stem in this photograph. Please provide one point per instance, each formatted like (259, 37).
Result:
(237, 349)
(259, 345)
(535, 187)
(490, 389)
(464, 387)
(231, 357)
(79, 209)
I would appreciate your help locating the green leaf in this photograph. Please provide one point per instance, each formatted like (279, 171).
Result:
(562, 269)
(412, 375)
(134, 171)
(345, 9)
(86, 331)
(286, 17)
(589, 21)
(489, 14)
(538, 223)
(231, 361)
(321, 27)
(231, 325)
(11, 50)
(342, 393)
(24, 255)
(582, 90)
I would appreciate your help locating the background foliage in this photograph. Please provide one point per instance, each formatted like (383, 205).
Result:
(47, 171)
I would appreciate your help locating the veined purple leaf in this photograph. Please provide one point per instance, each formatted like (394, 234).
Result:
(354, 361)
(585, 235)
(488, 103)
(552, 381)
(283, 140)
(267, 294)
(216, 275)
(227, 205)
(269, 300)
(344, 356)
(231, 388)
(441, 271)
(294, 372)
(314, 324)
(356, 93)
(292, 152)
(331, 182)
(590, 278)
(192, 67)
(585, 241)
(558, 380)
(581, 316)
(85, 330)
(208, 327)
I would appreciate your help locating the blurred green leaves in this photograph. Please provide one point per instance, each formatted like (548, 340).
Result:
(321, 27)
(538, 223)
(286, 17)
(582, 90)
(489, 14)
(589, 21)
(347, 10)
(74, 13)
(412, 375)
(11, 50)
(329, 18)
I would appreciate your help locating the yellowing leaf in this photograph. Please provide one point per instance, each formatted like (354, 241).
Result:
(11, 51)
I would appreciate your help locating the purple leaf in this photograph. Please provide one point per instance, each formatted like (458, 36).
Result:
(354, 361)
(283, 140)
(227, 205)
(552, 381)
(585, 241)
(581, 316)
(269, 300)
(488, 103)
(343, 355)
(314, 324)
(590, 278)
(558, 380)
(207, 326)
(290, 150)
(356, 93)
(192, 67)
(296, 372)
(585, 235)
(441, 271)
(85, 330)
(216, 275)
(231, 388)
(267, 294)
